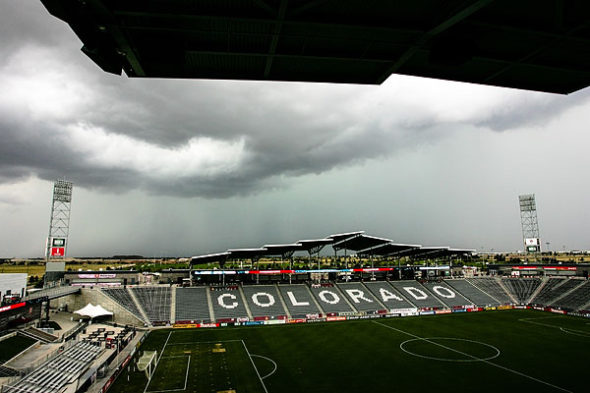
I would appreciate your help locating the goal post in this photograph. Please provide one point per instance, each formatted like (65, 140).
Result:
(147, 362)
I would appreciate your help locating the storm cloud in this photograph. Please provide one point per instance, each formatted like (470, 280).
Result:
(61, 116)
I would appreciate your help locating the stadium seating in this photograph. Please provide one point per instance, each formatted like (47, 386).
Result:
(122, 296)
(471, 292)
(54, 375)
(191, 304)
(155, 301)
(575, 299)
(447, 294)
(360, 297)
(298, 300)
(264, 301)
(522, 288)
(228, 304)
(331, 299)
(491, 286)
(548, 291)
(389, 296)
(418, 294)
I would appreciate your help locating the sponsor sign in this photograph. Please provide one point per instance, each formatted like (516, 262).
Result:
(58, 251)
(557, 311)
(185, 325)
(13, 306)
(404, 311)
(208, 325)
(567, 268)
(58, 242)
(447, 311)
(460, 310)
(98, 275)
(426, 312)
(275, 322)
(296, 320)
(504, 308)
(338, 318)
(531, 242)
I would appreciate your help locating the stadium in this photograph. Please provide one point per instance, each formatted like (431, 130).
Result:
(371, 315)
(317, 329)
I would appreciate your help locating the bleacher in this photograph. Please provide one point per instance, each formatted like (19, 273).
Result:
(122, 296)
(155, 301)
(228, 304)
(54, 375)
(389, 296)
(298, 300)
(360, 297)
(446, 294)
(264, 301)
(471, 292)
(522, 288)
(549, 291)
(191, 304)
(330, 299)
(576, 299)
(417, 294)
(492, 287)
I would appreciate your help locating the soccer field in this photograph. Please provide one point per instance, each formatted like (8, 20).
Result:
(518, 350)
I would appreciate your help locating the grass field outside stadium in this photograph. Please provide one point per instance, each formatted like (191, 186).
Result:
(517, 350)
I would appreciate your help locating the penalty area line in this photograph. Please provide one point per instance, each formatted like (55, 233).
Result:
(188, 365)
(474, 357)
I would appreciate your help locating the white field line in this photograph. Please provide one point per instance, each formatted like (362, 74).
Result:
(563, 329)
(204, 342)
(157, 362)
(474, 357)
(253, 365)
(270, 360)
(185, 378)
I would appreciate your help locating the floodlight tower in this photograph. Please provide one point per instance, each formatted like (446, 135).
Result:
(529, 222)
(59, 222)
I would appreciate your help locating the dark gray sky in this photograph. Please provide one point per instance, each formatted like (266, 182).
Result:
(186, 167)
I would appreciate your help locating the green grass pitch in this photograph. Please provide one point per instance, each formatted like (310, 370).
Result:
(493, 351)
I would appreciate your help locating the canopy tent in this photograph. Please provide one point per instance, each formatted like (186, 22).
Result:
(93, 311)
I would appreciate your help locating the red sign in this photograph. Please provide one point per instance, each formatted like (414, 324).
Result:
(58, 251)
(12, 306)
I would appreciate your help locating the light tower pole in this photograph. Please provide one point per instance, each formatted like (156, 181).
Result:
(59, 229)
(529, 222)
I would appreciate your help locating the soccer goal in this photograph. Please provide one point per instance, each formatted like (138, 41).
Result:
(147, 362)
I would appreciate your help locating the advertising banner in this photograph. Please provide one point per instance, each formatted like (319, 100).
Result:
(58, 251)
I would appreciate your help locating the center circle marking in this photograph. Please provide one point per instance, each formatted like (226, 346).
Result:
(471, 357)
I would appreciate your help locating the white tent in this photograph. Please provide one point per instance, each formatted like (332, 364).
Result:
(93, 311)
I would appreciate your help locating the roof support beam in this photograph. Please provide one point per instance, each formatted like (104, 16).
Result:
(122, 41)
(535, 52)
(275, 37)
(441, 27)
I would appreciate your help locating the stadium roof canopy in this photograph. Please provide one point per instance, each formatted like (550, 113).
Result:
(388, 249)
(284, 250)
(208, 258)
(526, 44)
(246, 253)
(341, 236)
(314, 245)
(360, 242)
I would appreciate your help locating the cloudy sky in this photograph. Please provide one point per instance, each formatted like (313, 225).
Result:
(169, 167)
